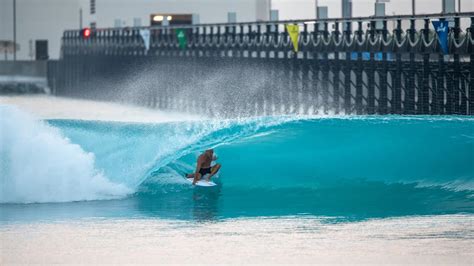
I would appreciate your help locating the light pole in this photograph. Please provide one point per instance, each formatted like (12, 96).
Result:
(316, 5)
(80, 18)
(14, 30)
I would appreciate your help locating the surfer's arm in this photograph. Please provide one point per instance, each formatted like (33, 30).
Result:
(198, 166)
(196, 173)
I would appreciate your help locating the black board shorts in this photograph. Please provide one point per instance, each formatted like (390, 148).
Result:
(204, 171)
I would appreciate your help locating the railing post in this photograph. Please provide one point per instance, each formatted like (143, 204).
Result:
(218, 48)
(397, 80)
(241, 37)
(325, 73)
(305, 69)
(423, 101)
(269, 79)
(335, 69)
(280, 63)
(458, 97)
(359, 93)
(315, 64)
(471, 72)
(383, 99)
(409, 103)
(370, 70)
(440, 83)
(212, 49)
(347, 73)
(287, 69)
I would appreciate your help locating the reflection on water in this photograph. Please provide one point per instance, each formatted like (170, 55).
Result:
(355, 201)
(206, 204)
(199, 204)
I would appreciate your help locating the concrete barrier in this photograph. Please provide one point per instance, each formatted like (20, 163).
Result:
(19, 77)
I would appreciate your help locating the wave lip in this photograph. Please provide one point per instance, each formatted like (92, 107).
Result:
(38, 164)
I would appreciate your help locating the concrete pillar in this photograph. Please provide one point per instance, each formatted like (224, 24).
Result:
(321, 13)
(346, 11)
(449, 6)
(274, 15)
(231, 17)
(379, 12)
(195, 19)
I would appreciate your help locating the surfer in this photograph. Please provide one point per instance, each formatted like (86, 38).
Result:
(203, 166)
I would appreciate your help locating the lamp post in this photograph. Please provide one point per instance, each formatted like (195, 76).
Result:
(80, 18)
(14, 30)
(316, 6)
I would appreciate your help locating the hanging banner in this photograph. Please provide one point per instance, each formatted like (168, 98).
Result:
(442, 29)
(181, 35)
(145, 33)
(293, 31)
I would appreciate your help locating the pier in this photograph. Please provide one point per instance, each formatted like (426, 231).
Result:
(365, 65)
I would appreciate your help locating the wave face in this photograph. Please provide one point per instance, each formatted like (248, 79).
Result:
(387, 165)
(284, 152)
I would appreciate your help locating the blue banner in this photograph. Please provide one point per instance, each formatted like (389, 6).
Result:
(442, 29)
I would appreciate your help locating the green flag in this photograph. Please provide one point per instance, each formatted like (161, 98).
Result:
(181, 35)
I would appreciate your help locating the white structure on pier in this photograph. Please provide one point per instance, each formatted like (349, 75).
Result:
(47, 19)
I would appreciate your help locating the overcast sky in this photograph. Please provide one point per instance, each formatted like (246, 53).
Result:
(305, 9)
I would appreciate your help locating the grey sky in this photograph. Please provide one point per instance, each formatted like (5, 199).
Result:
(292, 9)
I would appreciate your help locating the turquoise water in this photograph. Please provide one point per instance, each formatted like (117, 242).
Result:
(343, 168)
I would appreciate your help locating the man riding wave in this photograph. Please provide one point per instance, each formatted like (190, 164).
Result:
(203, 166)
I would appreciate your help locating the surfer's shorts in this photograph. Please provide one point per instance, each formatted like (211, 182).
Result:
(204, 171)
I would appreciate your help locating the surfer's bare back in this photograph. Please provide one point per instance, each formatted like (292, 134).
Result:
(203, 166)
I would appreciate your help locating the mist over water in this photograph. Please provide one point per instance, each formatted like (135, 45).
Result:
(211, 89)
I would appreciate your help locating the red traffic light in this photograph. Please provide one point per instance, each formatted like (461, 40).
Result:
(86, 33)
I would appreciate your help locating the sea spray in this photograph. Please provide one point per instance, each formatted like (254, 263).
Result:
(39, 164)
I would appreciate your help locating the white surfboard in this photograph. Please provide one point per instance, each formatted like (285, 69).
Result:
(201, 182)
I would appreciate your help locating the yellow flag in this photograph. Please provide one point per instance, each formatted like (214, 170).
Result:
(293, 31)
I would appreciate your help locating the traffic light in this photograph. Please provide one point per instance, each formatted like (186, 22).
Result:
(86, 33)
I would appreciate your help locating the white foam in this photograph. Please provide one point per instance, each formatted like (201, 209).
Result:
(51, 107)
(38, 164)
